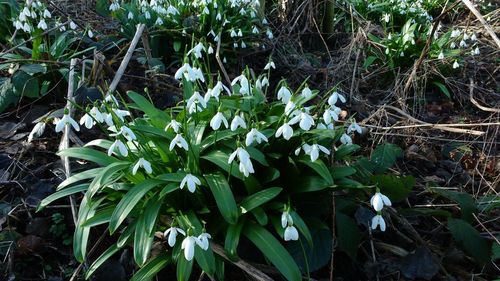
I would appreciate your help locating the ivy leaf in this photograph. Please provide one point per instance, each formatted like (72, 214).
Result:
(385, 156)
(470, 240)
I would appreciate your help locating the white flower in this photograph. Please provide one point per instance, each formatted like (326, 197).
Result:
(233, 33)
(345, 139)
(245, 165)
(305, 121)
(159, 21)
(455, 33)
(172, 235)
(217, 120)
(210, 50)
(90, 33)
(98, 116)
(42, 24)
(332, 113)
(182, 70)
(386, 17)
(174, 125)
(197, 50)
(26, 27)
(452, 45)
(306, 93)
(476, 51)
(147, 15)
(286, 219)
(238, 122)
(291, 233)
(270, 65)
(269, 34)
(72, 25)
(46, 14)
(379, 200)
(191, 182)
(188, 246)
(202, 240)
(441, 56)
(126, 133)
(332, 100)
(37, 131)
(114, 6)
(66, 120)
(144, 164)
(285, 130)
(244, 85)
(87, 120)
(180, 142)
(354, 127)
(284, 94)
(463, 44)
(121, 147)
(378, 220)
(473, 37)
(289, 108)
(313, 150)
(254, 136)
(216, 91)
(456, 65)
(255, 30)
(130, 16)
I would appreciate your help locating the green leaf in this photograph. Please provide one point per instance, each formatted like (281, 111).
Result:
(205, 260)
(184, 268)
(317, 256)
(223, 197)
(273, 251)
(302, 227)
(88, 154)
(25, 85)
(100, 217)
(87, 174)
(369, 61)
(101, 259)
(128, 202)
(465, 200)
(260, 216)
(81, 235)
(385, 156)
(33, 68)
(233, 239)
(60, 194)
(470, 239)
(143, 238)
(220, 159)
(105, 176)
(345, 150)
(259, 198)
(152, 267)
(319, 167)
(7, 95)
(395, 187)
(339, 172)
(348, 236)
(442, 88)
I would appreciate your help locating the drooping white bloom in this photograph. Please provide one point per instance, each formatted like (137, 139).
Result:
(334, 97)
(46, 14)
(345, 139)
(379, 200)
(115, 6)
(455, 33)
(441, 56)
(172, 233)
(255, 30)
(304, 119)
(37, 131)
(354, 127)
(66, 120)
(159, 21)
(90, 33)
(217, 120)
(121, 148)
(126, 133)
(254, 136)
(456, 65)
(270, 65)
(244, 85)
(269, 34)
(378, 220)
(285, 130)
(331, 113)
(306, 93)
(196, 103)
(245, 165)
(452, 45)
(178, 141)
(144, 164)
(462, 44)
(386, 17)
(210, 50)
(284, 94)
(238, 122)
(130, 16)
(202, 240)
(291, 233)
(476, 51)
(98, 116)
(313, 150)
(191, 181)
(473, 38)
(286, 219)
(188, 245)
(87, 120)
(196, 50)
(72, 25)
(42, 24)
(174, 125)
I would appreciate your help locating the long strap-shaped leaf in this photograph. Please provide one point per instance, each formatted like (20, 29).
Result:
(223, 197)
(273, 250)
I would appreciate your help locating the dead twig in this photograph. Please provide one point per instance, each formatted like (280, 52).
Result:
(483, 21)
(474, 102)
(217, 57)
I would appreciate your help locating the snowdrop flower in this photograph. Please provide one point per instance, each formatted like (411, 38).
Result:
(196, 103)
(289, 108)
(243, 45)
(98, 116)
(269, 34)
(265, 82)
(72, 25)
(178, 141)
(233, 33)
(210, 50)
(114, 6)
(188, 245)
(218, 17)
(476, 51)
(202, 240)
(191, 182)
(238, 122)
(87, 120)
(66, 120)
(332, 113)
(37, 131)
(285, 130)
(126, 133)
(386, 17)
(245, 166)
(147, 15)
(159, 21)
(130, 16)
(197, 50)
(244, 85)
(284, 94)
(379, 200)
(345, 139)
(174, 125)
(46, 14)
(255, 30)
(216, 91)
(254, 136)
(144, 164)
(441, 56)
(378, 220)
(172, 235)
(270, 65)
(240, 34)
(463, 44)
(473, 38)
(306, 93)
(304, 119)
(323, 126)
(121, 148)
(313, 151)
(334, 97)
(456, 65)
(354, 127)
(217, 120)
(455, 33)
(90, 33)
(42, 24)
(291, 233)
(452, 45)
(286, 219)
(183, 71)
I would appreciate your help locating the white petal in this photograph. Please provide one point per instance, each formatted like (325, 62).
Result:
(136, 167)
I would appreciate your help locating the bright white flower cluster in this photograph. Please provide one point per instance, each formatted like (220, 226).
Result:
(189, 243)
(33, 15)
(378, 201)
